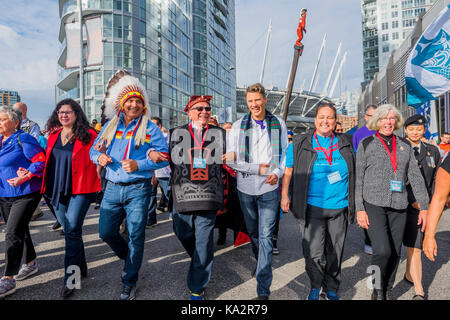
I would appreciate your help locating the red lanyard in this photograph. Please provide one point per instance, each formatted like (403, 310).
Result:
(393, 155)
(328, 157)
(195, 138)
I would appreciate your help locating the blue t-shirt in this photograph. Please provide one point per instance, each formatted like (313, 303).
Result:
(325, 191)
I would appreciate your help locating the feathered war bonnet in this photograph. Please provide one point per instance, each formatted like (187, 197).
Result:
(116, 96)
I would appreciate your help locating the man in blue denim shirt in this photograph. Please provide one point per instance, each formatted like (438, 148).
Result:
(122, 148)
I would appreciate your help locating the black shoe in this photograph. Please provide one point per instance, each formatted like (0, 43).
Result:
(37, 215)
(222, 239)
(56, 225)
(65, 292)
(275, 250)
(262, 298)
(162, 209)
(388, 295)
(254, 272)
(128, 293)
(97, 206)
(378, 295)
(151, 224)
(407, 281)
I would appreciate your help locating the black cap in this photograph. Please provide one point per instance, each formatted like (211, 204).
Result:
(416, 119)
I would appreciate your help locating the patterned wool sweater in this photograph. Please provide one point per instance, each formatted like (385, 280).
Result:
(195, 188)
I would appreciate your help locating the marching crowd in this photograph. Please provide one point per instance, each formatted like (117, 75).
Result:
(394, 187)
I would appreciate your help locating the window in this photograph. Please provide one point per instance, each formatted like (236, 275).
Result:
(184, 42)
(199, 41)
(200, 75)
(386, 48)
(395, 36)
(118, 55)
(172, 31)
(117, 26)
(200, 58)
(394, 14)
(127, 56)
(185, 82)
(108, 53)
(172, 75)
(185, 63)
(394, 24)
(118, 5)
(385, 37)
(384, 26)
(199, 24)
(172, 53)
(107, 26)
(127, 28)
(172, 11)
(142, 32)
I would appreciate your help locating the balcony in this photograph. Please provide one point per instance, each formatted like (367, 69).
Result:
(68, 78)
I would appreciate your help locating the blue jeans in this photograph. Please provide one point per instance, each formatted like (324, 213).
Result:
(196, 233)
(260, 213)
(164, 183)
(71, 217)
(131, 202)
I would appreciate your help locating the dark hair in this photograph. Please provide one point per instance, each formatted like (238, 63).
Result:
(444, 133)
(158, 121)
(328, 105)
(257, 87)
(94, 121)
(80, 127)
(338, 123)
(370, 106)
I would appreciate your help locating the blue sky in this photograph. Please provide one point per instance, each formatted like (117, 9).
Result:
(29, 45)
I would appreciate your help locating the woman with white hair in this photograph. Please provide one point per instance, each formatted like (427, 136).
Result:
(384, 165)
(21, 163)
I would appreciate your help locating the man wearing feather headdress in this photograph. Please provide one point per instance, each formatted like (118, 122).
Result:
(122, 148)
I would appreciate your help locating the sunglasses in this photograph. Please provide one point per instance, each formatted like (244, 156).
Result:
(200, 109)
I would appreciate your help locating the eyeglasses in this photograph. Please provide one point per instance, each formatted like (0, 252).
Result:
(339, 130)
(388, 119)
(200, 109)
(67, 113)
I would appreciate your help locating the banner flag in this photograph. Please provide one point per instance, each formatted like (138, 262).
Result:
(427, 72)
(73, 44)
(94, 41)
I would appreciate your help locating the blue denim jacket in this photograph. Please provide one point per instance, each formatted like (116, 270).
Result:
(116, 151)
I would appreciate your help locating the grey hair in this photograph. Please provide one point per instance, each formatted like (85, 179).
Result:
(370, 106)
(382, 112)
(13, 114)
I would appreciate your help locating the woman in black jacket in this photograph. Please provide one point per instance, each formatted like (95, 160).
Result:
(321, 164)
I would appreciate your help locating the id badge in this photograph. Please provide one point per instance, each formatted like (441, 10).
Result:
(199, 163)
(396, 186)
(334, 177)
(430, 162)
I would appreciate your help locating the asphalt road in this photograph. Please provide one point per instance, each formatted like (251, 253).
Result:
(165, 264)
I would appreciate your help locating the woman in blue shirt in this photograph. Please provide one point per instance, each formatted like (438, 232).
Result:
(322, 168)
(21, 163)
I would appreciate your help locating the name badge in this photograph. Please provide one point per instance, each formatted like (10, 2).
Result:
(430, 162)
(396, 186)
(199, 163)
(334, 177)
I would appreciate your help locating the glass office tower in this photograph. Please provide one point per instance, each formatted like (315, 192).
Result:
(176, 47)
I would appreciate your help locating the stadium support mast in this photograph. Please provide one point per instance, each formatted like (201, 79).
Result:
(298, 50)
(269, 31)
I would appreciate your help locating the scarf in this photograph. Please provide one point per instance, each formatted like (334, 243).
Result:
(244, 139)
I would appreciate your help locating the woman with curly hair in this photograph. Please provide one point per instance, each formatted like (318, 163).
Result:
(70, 179)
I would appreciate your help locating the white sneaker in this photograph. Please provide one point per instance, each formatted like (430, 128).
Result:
(368, 249)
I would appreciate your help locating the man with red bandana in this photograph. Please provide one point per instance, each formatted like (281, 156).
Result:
(196, 151)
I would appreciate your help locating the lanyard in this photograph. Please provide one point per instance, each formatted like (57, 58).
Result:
(393, 155)
(128, 149)
(195, 138)
(328, 157)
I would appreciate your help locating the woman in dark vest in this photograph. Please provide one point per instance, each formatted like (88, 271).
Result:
(321, 165)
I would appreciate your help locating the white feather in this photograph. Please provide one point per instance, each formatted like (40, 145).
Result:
(116, 92)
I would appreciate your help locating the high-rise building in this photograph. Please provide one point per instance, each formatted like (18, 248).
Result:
(385, 24)
(8, 98)
(176, 47)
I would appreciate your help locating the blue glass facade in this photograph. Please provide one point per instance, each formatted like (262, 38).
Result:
(155, 41)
